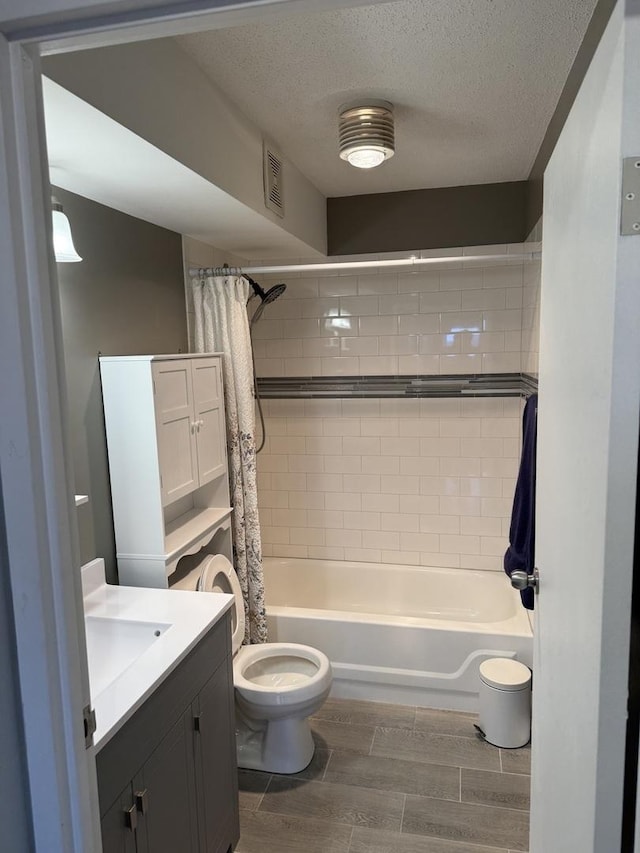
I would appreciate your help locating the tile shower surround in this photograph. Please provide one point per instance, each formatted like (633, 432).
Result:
(394, 481)
(398, 480)
(409, 323)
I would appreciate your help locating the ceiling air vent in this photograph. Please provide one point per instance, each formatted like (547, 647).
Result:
(273, 169)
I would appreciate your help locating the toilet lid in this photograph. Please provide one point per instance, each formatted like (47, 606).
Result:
(218, 575)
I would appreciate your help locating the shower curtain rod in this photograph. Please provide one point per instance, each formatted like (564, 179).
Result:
(353, 265)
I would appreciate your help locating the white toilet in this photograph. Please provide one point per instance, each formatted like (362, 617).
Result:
(277, 685)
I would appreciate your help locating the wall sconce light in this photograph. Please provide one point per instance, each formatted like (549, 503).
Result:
(63, 247)
(366, 133)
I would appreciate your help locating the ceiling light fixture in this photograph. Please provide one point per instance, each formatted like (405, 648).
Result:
(63, 247)
(366, 133)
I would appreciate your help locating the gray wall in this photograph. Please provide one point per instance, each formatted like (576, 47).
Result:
(125, 298)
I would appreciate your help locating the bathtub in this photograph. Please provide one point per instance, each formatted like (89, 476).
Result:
(402, 634)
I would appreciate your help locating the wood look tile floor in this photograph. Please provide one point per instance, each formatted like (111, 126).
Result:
(391, 779)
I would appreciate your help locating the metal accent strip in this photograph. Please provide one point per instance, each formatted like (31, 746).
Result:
(346, 387)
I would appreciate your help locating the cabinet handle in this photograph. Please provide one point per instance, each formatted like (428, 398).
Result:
(142, 801)
(197, 722)
(131, 818)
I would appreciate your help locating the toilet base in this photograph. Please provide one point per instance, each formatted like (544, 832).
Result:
(278, 746)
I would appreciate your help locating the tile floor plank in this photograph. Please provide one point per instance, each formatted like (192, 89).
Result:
(393, 774)
(273, 833)
(445, 722)
(379, 841)
(251, 788)
(516, 760)
(356, 711)
(347, 737)
(435, 749)
(506, 790)
(465, 822)
(332, 802)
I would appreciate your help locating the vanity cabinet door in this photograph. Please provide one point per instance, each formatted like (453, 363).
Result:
(216, 768)
(118, 825)
(165, 795)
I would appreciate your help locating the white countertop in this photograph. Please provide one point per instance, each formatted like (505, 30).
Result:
(122, 677)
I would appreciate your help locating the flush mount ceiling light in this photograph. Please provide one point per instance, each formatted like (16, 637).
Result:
(63, 247)
(366, 133)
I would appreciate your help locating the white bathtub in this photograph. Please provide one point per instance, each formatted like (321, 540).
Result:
(393, 633)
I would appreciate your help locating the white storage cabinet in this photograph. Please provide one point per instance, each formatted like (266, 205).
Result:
(165, 427)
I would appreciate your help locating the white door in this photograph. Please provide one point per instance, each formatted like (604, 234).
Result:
(587, 460)
(176, 428)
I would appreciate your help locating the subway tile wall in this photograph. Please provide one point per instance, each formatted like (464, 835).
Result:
(531, 318)
(431, 321)
(396, 481)
(418, 482)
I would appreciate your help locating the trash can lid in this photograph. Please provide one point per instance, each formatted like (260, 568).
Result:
(505, 674)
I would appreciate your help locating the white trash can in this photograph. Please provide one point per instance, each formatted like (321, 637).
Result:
(505, 702)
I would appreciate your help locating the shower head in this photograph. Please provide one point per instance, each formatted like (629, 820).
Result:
(273, 293)
(269, 295)
(266, 297)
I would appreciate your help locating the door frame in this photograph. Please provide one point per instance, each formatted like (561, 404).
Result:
(35, 467)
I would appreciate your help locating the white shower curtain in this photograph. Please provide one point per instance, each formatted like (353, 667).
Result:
(221, 324)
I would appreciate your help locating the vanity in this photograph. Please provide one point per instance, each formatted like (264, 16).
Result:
(160, 669)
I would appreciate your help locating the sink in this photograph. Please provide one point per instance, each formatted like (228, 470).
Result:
(114, 644)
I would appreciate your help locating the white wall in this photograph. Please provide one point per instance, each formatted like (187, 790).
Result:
(587, 459)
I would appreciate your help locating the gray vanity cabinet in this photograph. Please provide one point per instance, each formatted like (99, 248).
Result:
(117, 836)
(167, 781)
(216, 763)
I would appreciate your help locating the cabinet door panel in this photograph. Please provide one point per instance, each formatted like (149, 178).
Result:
(210, 433)
(117, 837)
(211, 444)
(207, 384)
(167, 781)
(216, 763)
(175, 428)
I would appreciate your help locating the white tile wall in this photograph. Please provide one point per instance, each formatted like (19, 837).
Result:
(410, 481)
(395, 481)
(379, 322)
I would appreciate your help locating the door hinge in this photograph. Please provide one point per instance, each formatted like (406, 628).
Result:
(630, 208)
(89, 717)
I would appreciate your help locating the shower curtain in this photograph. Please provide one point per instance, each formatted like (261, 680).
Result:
(221, 324)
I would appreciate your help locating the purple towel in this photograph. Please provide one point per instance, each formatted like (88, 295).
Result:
(520, 555)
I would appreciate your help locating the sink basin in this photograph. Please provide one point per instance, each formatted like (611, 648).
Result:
(114, 644)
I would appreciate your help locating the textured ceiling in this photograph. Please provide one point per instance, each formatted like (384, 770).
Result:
(474, 84)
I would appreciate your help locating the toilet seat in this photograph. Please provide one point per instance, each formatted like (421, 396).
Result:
(265, 674)
(280, 673)
(218, 575)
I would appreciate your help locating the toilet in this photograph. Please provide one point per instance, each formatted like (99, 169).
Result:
(277, 685)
